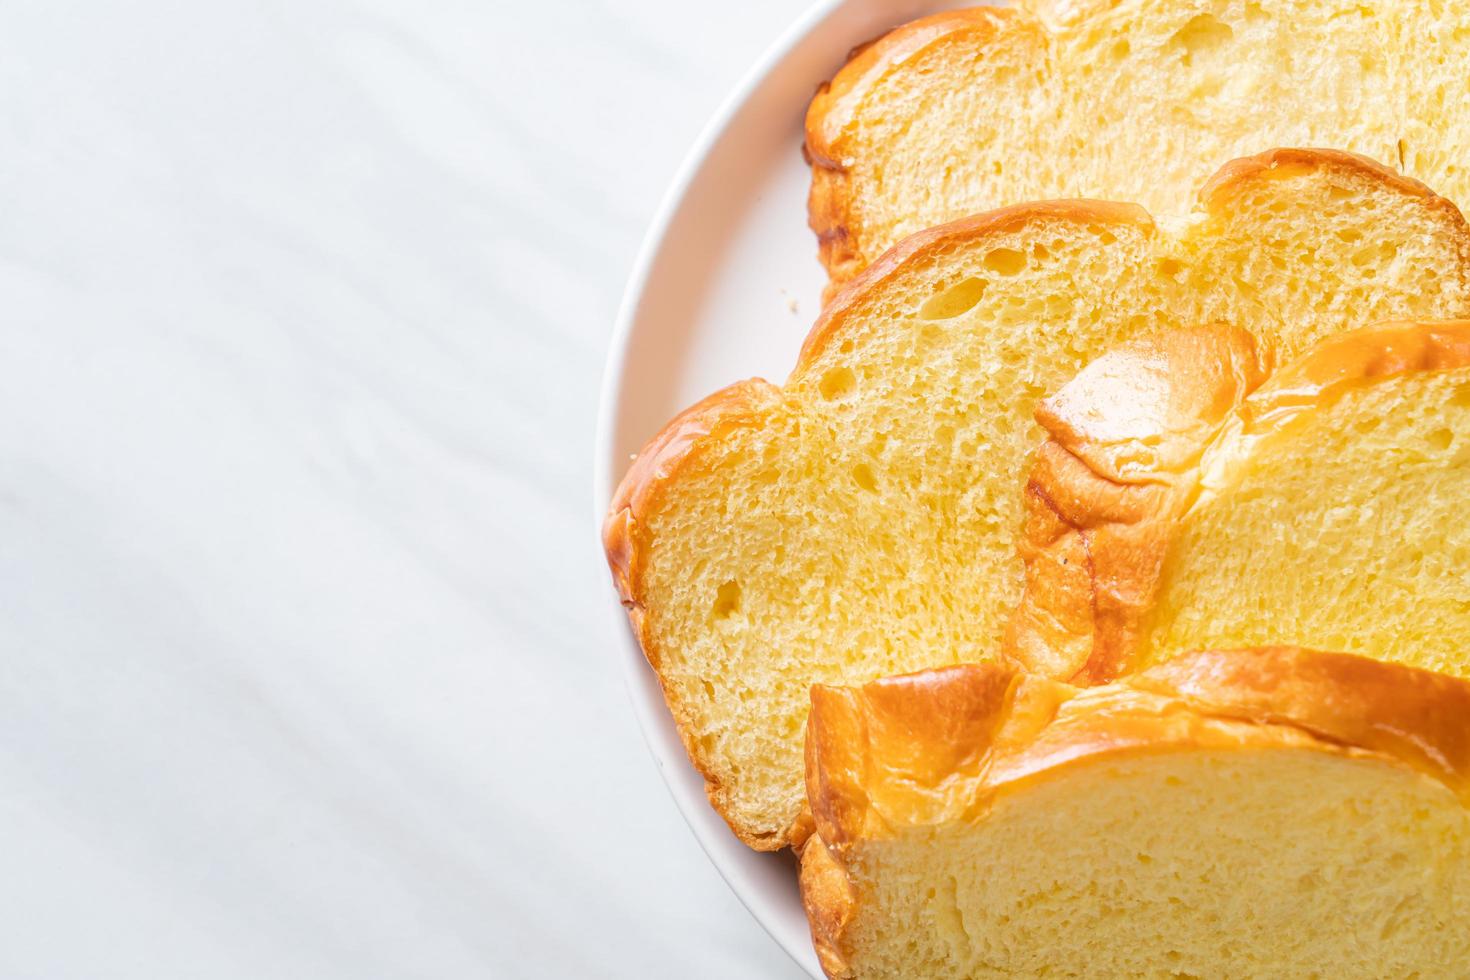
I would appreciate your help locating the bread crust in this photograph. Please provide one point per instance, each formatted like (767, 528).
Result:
(833, 212)
(866, 785)
(1363, 357)
(673, 452)
(1284, 162)
(1104, 498)
(1123, 435)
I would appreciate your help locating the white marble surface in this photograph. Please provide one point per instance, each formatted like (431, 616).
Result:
(302, 671)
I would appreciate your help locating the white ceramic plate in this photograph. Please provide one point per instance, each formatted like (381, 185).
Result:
(725, 287)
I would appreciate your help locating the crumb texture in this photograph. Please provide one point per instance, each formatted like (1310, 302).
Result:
(1346, 531)
(861, 521)
(973, 110)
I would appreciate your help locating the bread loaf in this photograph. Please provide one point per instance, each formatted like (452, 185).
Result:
(1324, 509)
(974, 109)
(861, 520)
(1249, 814)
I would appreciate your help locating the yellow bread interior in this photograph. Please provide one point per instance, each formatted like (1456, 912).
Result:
(974, 109)
(1346, 529)
(860, 521)
(1190, 825)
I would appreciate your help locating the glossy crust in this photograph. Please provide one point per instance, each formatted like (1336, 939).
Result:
(1353, 360)
(1124, 435)
(937, 748)
(1134, 440)
(671, 454)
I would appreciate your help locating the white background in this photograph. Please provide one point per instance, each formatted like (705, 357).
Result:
(303, 665)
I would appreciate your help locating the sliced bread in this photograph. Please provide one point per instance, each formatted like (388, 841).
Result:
(1325, 509)
(860, 521)
(1249, 814)
(974, 109)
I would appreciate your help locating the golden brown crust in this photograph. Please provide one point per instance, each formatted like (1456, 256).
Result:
(828, 206)
(1243, 700)
(1347, 361)
(1104, 487)
(831, 207)
(851, 729)
(827, 896)
(1124, 461)
(1285, 162)
(1416, 716)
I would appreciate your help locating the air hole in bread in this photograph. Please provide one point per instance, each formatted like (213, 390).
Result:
(1201, 35)
(1440, 439)
(838, 383)
(953, 301)
(727, 600)
(1005, 261)
(862, 475)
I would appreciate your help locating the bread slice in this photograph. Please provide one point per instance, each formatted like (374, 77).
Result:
(1259, 813)
(860, 521)
(974, 109)
(1326, 509)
